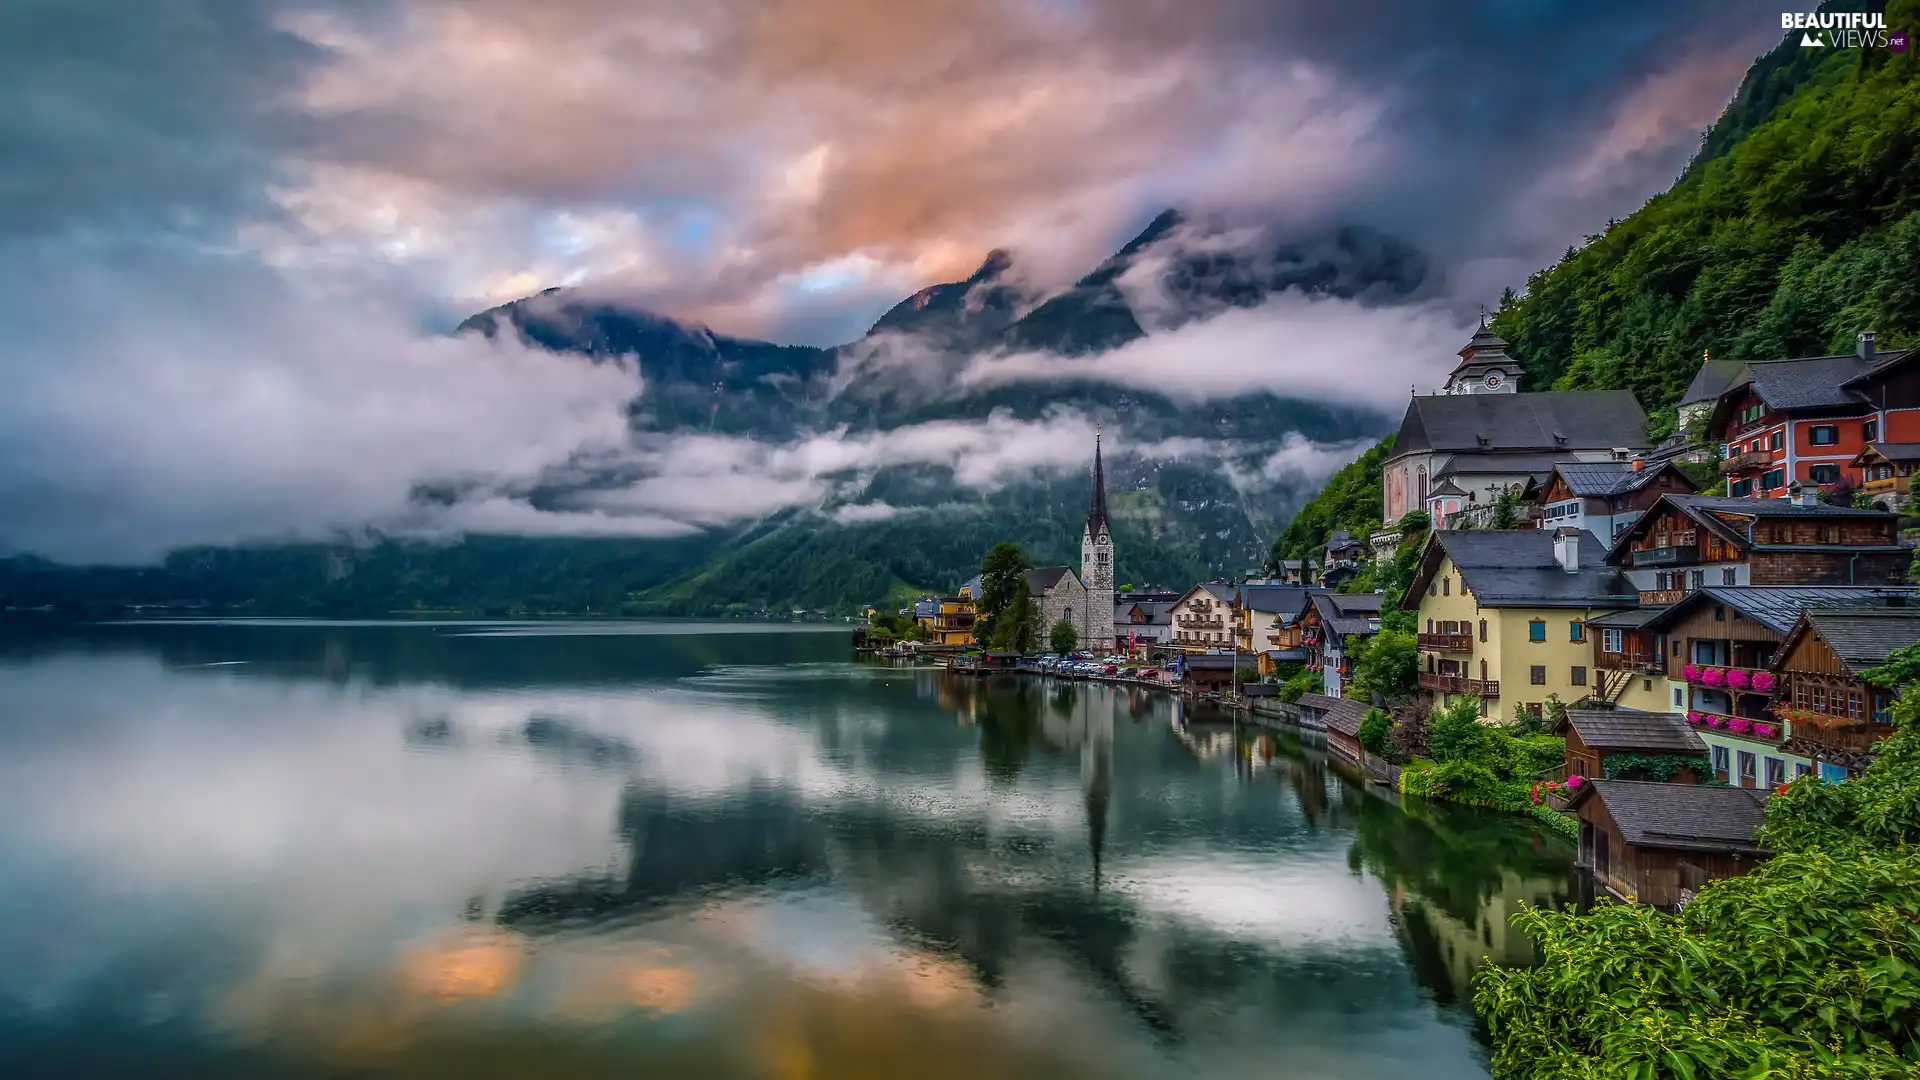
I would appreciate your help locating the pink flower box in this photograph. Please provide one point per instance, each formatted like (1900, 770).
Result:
(1713, 676)
(1764, 681)
(1713, 721)
(1737, 679)
(1696, 718)
(1740, 725)
(1690, 673)
(1765, 731)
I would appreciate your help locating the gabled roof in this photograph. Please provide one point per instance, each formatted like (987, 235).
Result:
(1812, 382)
(1341, 714)
(1712, 511)
(1711, 380)
(1287, 600)
(1884, 364)
(1223, 593)
(970, 587)
(1611, 479)
(1892, 451)
(1860, 637)
(1631, 730)
(1341, 540)
(1210, 661)
(1348, 613)
(1630, 619)
(1158, 613)
(1685, 816)
(1516, 568)
(1544, 423)
(1499, 464)
(926, 609)
(1778, 607)
(1042, 579)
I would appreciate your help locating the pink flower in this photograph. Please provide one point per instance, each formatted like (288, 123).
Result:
(1740, 725)
(1696, 718)
(1765, 731)
(1713, 676)
(1737, 679)
(1574, 781)
(1712, 720)
(1764, 681)
(1690, 673)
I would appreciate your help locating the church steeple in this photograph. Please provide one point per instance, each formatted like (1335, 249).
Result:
(1097, 515)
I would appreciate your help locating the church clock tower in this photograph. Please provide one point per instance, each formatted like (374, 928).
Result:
(1096, 565)
(1485, 366)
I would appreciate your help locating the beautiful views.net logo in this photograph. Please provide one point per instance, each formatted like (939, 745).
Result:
(1845, 30)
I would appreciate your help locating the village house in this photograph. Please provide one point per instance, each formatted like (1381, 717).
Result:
(1330, 619)
(1686, 542)
(1605, 497)
(1629, 661)
(1807, 420)
(1340, 559)
(1832, 715)
(1267, 624)
(1616, 743)
(1142, 623)
(1202, 673)
(1483, 437)
(1203, 617)
(1658, 843)
(1341, 720)
(1712, 653)
(1503, 615)
(1292, 572)
(1886, 474)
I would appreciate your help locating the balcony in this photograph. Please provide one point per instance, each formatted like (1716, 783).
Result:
(953, 622)
(1746, 462)
(1662, 597)
(1447, 642)
(1459, 684)
(1745, 727)
(1686, 554)
(1839, 734)
(1640, 663)
(1733, 680)
(1888, 485)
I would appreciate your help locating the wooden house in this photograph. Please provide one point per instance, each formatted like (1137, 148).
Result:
(1595, 736)
(1657, 843)
(1208, 673)
(1831, 714)
(1629, 660)
(1886, 473)
(1686, 542)
(1604, 497)
(1341, 719)
(1331, 619)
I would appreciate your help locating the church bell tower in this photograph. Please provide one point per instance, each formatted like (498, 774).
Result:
(1096, 564)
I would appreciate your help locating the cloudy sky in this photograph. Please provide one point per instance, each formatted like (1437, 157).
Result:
(231, 233)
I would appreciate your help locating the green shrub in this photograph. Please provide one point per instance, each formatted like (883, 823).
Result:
(1374, 732)
(1300, 682)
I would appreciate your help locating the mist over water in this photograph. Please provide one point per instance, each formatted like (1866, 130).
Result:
(584, 850)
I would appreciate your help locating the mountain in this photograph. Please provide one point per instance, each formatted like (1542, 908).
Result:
(1207, 511)
(1796, 226)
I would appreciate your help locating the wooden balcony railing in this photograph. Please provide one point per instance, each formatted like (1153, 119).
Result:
(1663, 597)
(1746, 462)
(1459, 684)
(1638, 663)
(1886, 484)
(1686, 554)
(1840, 733)
(1447, 642)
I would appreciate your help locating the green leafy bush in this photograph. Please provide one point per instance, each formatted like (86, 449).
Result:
(1374, 730)
(1300, 682)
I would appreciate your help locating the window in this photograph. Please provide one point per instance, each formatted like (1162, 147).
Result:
(1870, 430)
(1483, 629)
(1429, 626)
(1773, 478)
(1749, 769)
(1776, 771)
(1697, 579)
(1823, 434)
(1720, 762)
(1730, 576)
(1579, 675)
(1753, 447)
(1719, 613)
(1740, 489)
(1824, 474)
(1801, 768)
(1776, 440)
(1576, 631)
(1446, 586)
(1611, 641)
(1537, 630)
(1539, 674)
(1533, 708)
(1679, 697)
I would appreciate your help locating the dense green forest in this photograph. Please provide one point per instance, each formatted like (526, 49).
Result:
(1795, 227)
(1352, 500)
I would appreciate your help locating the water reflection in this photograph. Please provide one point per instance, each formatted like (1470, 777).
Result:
(419, 851)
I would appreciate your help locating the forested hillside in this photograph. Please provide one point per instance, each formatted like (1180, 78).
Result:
(1796, 226)
(1352, 500)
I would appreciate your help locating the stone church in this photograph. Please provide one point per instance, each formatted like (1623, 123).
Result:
(1096, 564)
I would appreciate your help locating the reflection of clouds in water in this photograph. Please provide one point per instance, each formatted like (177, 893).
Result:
(465, 964)
(1298, 904)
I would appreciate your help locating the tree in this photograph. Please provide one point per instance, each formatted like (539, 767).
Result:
(1374, 731)
(1388, 664)
(1017, 625)
(1506, 510)
(1001, 573)
(1063, 638)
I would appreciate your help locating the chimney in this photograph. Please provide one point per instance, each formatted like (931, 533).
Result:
(1566, 548)
(1639, 462)
(1864, 344)
(1801, 493)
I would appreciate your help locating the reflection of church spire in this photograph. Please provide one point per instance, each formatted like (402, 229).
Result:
(1096, 766)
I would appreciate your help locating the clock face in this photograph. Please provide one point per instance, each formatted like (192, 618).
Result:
(1493, 380)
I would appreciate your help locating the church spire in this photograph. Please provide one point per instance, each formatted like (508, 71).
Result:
(1097, 515)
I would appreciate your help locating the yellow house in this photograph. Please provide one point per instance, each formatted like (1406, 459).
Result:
(1503, 614)
(948, 620)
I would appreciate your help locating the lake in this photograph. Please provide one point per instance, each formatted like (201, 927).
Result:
(560, 850)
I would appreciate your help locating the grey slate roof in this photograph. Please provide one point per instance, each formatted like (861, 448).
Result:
(1897, 451)
(1862, 638)
(1607, 479)
(1686, 816)
(1284, 656)
(1158, 613)
(1808, 383)
(1342, 715)
(1711, 380)
(1728, 504)
(1212, 661)
(926, 609)
(1482, 464)
(1516, 568)
(1778, 607)
(1630, 619)
(971, 587)
(1587, 419)
(1285, 600)
(1042, 578)
(1630, 730)
(1348, 613)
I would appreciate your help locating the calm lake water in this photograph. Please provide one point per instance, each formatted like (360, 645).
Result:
(559, 851)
